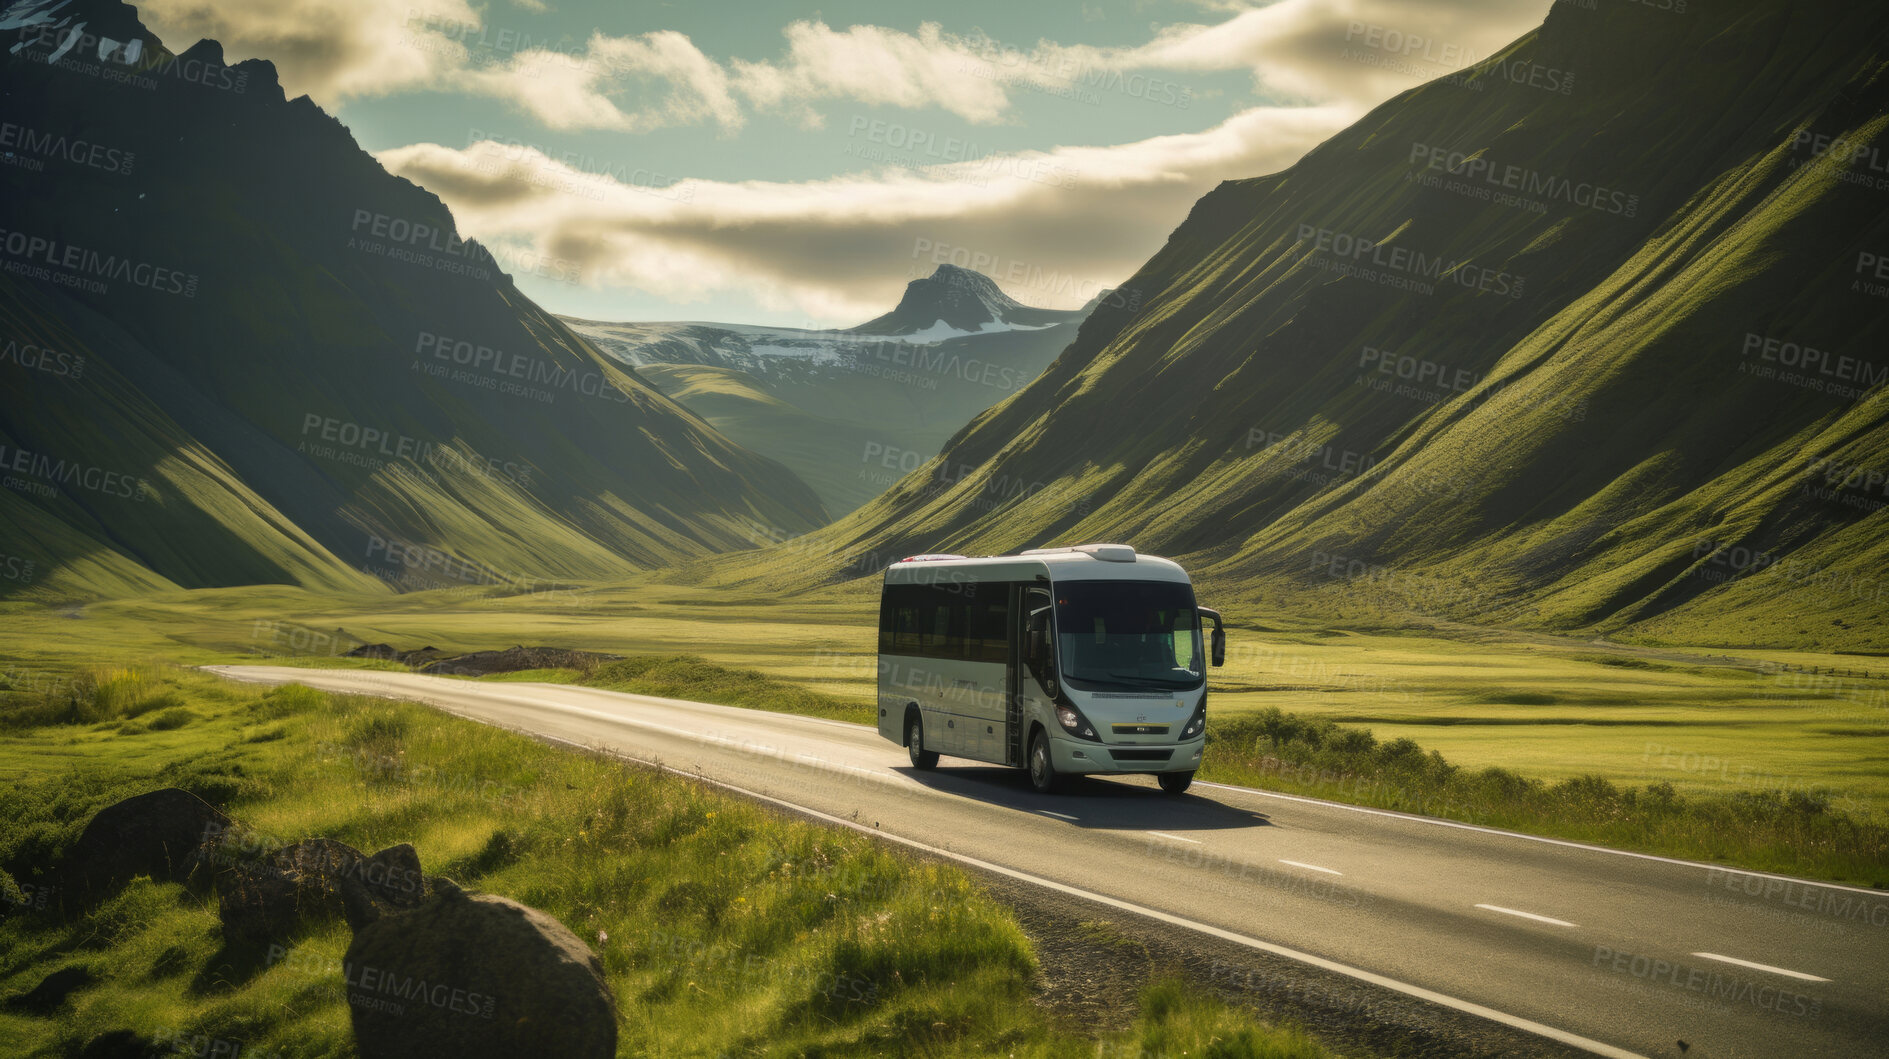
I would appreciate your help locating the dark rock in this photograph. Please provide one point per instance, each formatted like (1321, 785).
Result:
(52, 991)
(162, 834)
(388, 881)
(388, 652)
(274, 898)
(513, 659)
(476, 976)
(266, 902)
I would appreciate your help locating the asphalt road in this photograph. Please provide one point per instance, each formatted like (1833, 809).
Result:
(1611, 953)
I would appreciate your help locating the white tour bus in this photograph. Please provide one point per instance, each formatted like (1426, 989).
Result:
(1060, 660)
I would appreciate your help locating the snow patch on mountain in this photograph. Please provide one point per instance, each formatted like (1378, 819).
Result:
(940, 331)
(949, 305)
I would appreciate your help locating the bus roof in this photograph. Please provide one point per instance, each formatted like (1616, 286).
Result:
(1088, 562)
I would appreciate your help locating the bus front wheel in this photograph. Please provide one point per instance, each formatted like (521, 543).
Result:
(915, 744)
(1043, 767)
(1175, 782)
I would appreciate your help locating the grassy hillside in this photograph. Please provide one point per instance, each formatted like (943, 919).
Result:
(838, 458)
(301, 370)
(1499, 352)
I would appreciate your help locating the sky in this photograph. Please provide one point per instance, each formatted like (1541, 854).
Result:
(796, 164)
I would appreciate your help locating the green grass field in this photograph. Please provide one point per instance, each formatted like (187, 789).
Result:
(1711, 723)
(723, 929)
(1557, 710)
(1796, 830)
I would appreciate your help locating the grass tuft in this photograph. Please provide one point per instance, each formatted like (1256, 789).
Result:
(173, 719)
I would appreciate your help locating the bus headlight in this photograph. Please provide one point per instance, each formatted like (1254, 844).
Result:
(1197, 723)
(1075, 723)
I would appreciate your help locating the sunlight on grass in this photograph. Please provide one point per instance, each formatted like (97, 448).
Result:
(722, 928)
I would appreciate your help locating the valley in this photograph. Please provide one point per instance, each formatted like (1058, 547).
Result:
(851, 412)
(1516, 394)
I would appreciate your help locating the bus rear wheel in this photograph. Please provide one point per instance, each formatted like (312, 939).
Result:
(1042, 766)
(1175, 782)
(915, 744)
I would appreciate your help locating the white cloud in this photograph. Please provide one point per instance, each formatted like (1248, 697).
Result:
(633, 84)
(1355, 51)
(1358, 51)
(841, 249)
(874, 65)
(679, 85)
(330, 50)
(335, 50)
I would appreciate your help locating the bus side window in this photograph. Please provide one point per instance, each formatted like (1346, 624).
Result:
(904, 608)
(937, 626)
(908, 630)
(987, 639)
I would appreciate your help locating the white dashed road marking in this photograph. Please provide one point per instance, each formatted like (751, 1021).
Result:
(1759, 966)
(1526, 915)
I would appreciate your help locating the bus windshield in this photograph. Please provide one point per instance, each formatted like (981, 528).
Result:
(1129, 635)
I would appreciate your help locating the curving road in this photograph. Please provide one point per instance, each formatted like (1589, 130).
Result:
(1604, 952)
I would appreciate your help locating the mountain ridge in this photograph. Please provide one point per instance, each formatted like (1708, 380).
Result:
(315, 376)
(1550, 268)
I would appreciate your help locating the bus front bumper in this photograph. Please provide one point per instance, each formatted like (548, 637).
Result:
(1082, 757)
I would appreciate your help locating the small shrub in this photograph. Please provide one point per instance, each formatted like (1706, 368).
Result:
(1662, 799)
(1354, 742)
(1503, 784)
(1401, 751)
(107, 693)
(1807, 803)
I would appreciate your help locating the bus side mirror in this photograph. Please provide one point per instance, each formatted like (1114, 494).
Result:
(1219, 638)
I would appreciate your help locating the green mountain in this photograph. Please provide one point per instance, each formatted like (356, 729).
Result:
(851, 412)
(1593, 334)
(236, 350)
